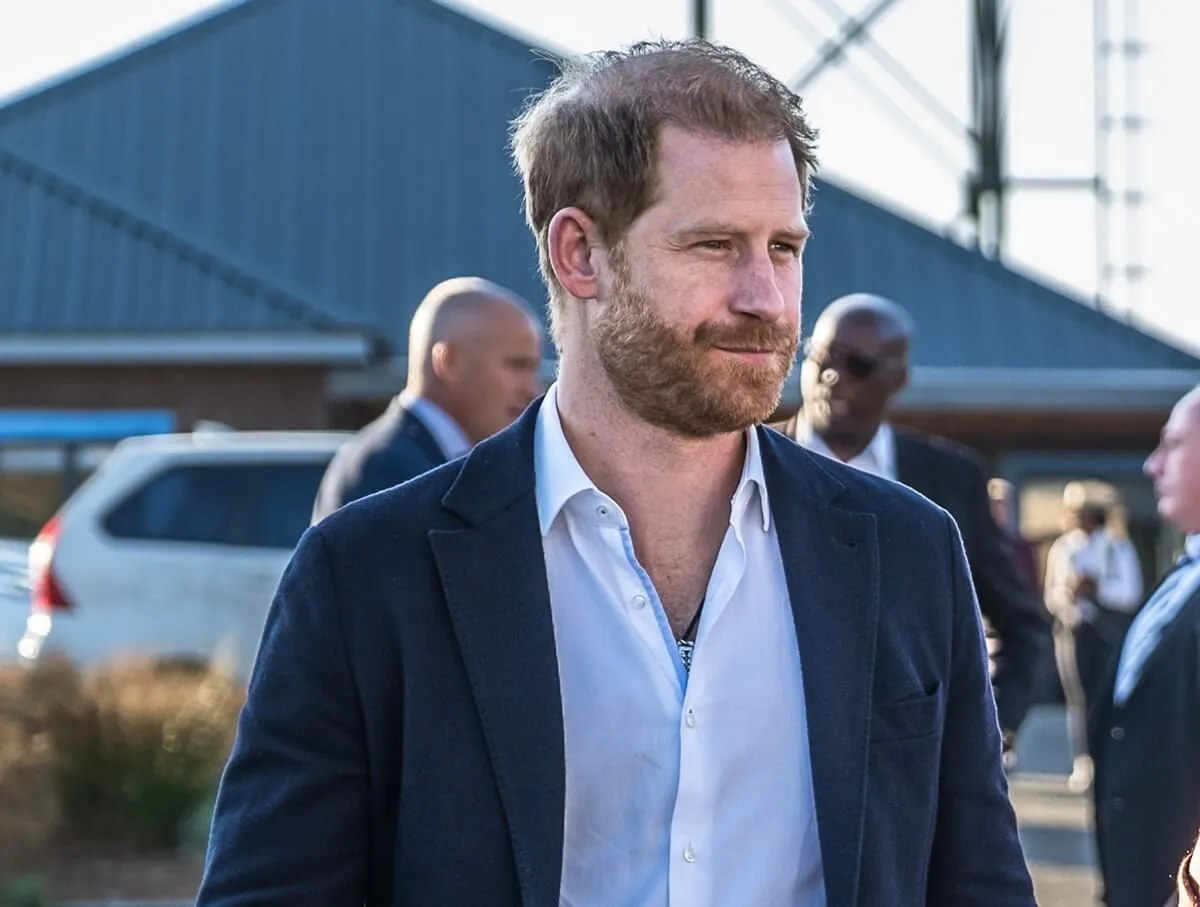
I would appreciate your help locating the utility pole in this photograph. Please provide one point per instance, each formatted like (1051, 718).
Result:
(987, 182)
(700, 25)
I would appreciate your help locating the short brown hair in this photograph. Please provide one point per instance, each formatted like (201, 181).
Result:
(591, 139)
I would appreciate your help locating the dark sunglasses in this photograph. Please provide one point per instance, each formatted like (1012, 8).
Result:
(853, 364)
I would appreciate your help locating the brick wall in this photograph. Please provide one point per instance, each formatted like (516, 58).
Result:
(244, 397)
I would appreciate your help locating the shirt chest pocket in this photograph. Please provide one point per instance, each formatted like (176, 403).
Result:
(911, 718)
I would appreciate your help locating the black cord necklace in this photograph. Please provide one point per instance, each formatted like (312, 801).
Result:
(687, 641)
(689, 633)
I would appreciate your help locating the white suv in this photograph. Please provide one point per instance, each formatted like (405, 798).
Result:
(174, 547)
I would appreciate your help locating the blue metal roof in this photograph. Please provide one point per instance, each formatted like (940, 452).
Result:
(349, 152)
(970, 311)
(290, 164)
(74, 262)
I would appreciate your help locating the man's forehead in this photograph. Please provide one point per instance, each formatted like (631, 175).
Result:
(857, 329)
(694, 167)
(1185, 418)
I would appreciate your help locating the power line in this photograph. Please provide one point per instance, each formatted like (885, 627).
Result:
(833, 52)
(852, 31)
(900, 74)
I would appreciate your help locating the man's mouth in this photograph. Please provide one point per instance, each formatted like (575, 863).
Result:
(753, 354)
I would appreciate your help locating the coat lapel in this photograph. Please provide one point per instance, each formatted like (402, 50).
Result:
(413, 427)
(1185, 617)
(495, 585)
(831, 561)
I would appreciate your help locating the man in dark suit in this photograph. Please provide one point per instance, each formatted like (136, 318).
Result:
(474, 349)
(635, 649)
(1145, 732)
(855, 363)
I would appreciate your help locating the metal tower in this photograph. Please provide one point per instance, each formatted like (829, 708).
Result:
(1119, 130)
(1114, 181)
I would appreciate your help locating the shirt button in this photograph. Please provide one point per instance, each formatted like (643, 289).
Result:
(690, 718)
(689, 855)
(602, 512)
(1117, 733)
(639, 602)
(1118, 803)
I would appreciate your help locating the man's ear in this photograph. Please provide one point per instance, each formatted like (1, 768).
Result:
(444, 360)
(573, 242)
(899, 379)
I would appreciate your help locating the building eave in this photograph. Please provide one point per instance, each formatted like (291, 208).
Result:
(1042, 390)
(325, 349)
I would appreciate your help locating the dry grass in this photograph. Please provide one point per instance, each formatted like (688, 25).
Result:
(126, 754)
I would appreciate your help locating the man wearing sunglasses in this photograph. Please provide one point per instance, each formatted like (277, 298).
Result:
(854, 365)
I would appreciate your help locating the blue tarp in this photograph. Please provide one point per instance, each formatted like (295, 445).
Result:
(81, 426)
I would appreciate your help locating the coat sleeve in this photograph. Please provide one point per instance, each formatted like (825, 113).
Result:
(291, 819)
(1014, 612)
(977, 857)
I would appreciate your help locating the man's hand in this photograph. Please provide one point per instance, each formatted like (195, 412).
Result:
(1069, 616)
(1083, 587)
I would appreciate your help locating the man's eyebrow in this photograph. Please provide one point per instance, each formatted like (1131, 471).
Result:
(796, 233)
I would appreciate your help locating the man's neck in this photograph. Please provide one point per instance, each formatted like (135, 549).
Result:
(657, 477)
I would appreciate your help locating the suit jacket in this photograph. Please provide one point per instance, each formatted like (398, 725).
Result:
(394, 448)
(1147, 768)
(951, 476)
(402, 742)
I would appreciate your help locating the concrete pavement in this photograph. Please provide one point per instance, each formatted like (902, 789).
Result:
(1055, 823)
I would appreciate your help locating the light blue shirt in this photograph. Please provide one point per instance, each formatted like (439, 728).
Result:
(1147, 628)
(683, 789)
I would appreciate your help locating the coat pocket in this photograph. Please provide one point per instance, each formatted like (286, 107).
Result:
(909, 719)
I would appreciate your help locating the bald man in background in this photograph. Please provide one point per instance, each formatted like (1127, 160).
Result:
(474, 349)
(854, 365)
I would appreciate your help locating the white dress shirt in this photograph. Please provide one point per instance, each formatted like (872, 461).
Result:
(446, 432)
(878, 458)
(1147, 628)
(1110, 560)
(682, 789)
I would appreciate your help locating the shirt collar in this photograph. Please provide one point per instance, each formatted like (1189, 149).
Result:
(559, 477)
(879, 453)
(1191, 545)
(446, 432)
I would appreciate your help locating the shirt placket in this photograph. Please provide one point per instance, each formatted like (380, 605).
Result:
(691, 858)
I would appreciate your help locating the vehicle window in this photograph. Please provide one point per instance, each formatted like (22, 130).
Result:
(183, 504)
(284, 495)
(257, 505)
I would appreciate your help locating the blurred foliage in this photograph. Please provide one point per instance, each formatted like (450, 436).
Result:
(131, 752)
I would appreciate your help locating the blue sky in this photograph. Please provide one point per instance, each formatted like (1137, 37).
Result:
(867, 145)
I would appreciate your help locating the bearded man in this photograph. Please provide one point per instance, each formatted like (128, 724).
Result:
(635, 650)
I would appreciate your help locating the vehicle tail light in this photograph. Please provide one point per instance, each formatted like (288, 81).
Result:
(48, 593)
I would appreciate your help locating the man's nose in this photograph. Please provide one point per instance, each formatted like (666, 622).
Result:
(759, 295)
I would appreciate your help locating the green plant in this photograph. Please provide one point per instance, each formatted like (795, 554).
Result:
(26, 891)
(30, 805)
(131, 752)
(147, 749)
